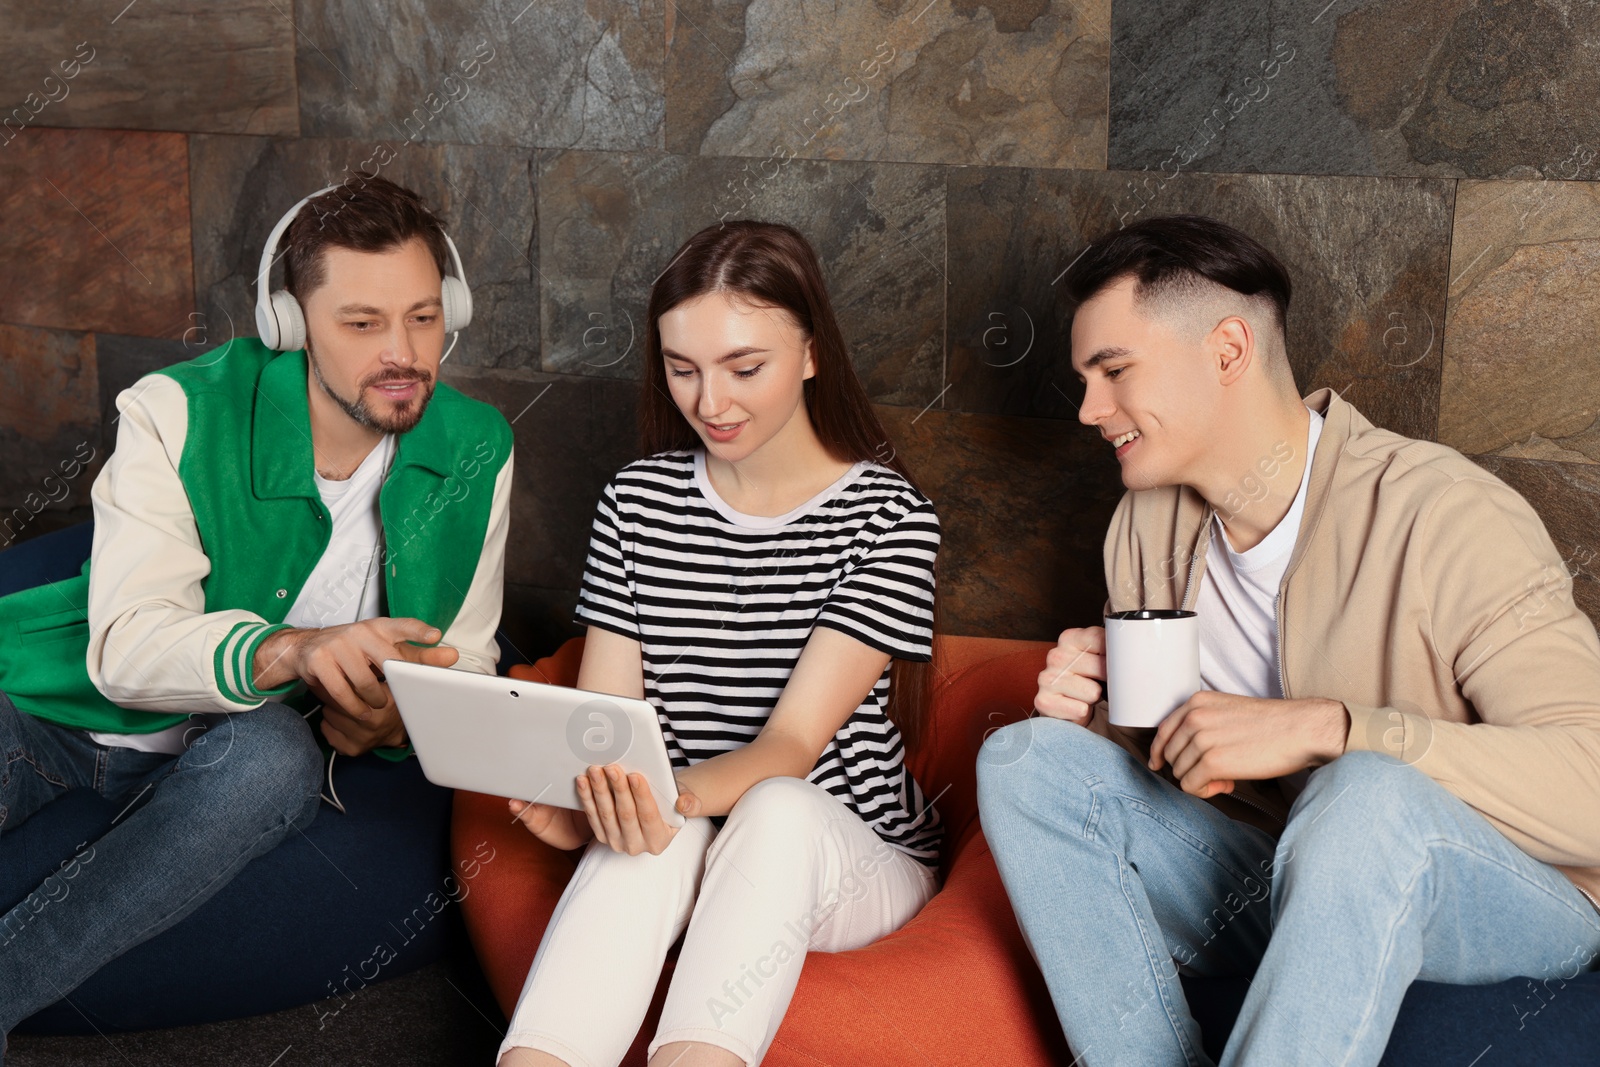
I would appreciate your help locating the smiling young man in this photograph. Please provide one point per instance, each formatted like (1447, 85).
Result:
(1393, 767)
(270, 528)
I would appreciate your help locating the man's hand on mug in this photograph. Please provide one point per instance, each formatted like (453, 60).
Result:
(342, 666)
(1071, 683)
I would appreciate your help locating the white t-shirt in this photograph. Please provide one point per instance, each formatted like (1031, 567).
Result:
(344, 586)
(1238, 606)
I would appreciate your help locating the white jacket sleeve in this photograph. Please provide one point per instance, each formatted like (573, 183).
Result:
(472, 631)
(152, 645)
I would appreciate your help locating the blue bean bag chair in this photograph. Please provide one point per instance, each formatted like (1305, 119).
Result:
(1521, 1022)
(358, 898)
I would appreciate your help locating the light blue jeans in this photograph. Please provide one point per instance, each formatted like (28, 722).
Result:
(1380, 877)
(190, 823)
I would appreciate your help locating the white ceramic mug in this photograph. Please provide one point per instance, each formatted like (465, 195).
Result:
(1152, 664)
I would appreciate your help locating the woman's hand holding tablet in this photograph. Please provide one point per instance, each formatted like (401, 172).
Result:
(618, 810)
(557, 827)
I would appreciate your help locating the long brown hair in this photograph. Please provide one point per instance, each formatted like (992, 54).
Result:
(772, 265)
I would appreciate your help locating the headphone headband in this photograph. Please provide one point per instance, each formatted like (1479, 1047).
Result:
(272, 245)
(280, 321)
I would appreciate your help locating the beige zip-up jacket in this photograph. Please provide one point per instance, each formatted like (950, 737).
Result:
(1424, 594)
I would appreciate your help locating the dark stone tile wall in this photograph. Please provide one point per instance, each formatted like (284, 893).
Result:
(572, 435)
(192, 67)
(1384, 87)
(558, 75)
(1010, 82)
(49, 428)
(1365, 255)
(96, 227)
(1522, 347)
(1426, 170)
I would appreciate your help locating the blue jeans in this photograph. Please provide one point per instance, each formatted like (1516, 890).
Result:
(191, 823)
(1380, 877)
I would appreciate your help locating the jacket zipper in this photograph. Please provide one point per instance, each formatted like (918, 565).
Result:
(1246, 800)
(1194, 561)
(1189, 582)
(1283, 675)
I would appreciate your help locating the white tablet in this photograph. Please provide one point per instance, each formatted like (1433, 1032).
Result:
(525, 740)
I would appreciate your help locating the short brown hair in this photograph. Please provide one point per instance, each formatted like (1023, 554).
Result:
(362, 214)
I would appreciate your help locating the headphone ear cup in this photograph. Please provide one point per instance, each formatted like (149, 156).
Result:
(291, 322)
(457, 301)
(267, 323)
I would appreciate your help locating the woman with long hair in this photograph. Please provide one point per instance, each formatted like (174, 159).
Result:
(765, 578)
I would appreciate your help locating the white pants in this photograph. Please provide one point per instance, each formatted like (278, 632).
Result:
(793, 869)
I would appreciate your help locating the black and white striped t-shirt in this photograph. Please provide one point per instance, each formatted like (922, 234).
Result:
(722, 603)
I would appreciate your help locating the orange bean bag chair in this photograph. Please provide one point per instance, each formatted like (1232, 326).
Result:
(955, 985)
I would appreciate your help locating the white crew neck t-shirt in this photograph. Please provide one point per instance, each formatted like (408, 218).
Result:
(344, 587)
(1238, 605)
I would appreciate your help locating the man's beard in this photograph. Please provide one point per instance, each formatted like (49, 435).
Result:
(403, 421)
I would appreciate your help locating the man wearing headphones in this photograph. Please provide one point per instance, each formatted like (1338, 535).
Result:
(270, 528)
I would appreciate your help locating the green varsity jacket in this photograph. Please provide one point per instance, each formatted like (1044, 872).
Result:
(207, 524)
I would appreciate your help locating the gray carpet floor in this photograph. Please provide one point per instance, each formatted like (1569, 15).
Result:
(437, 1015)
